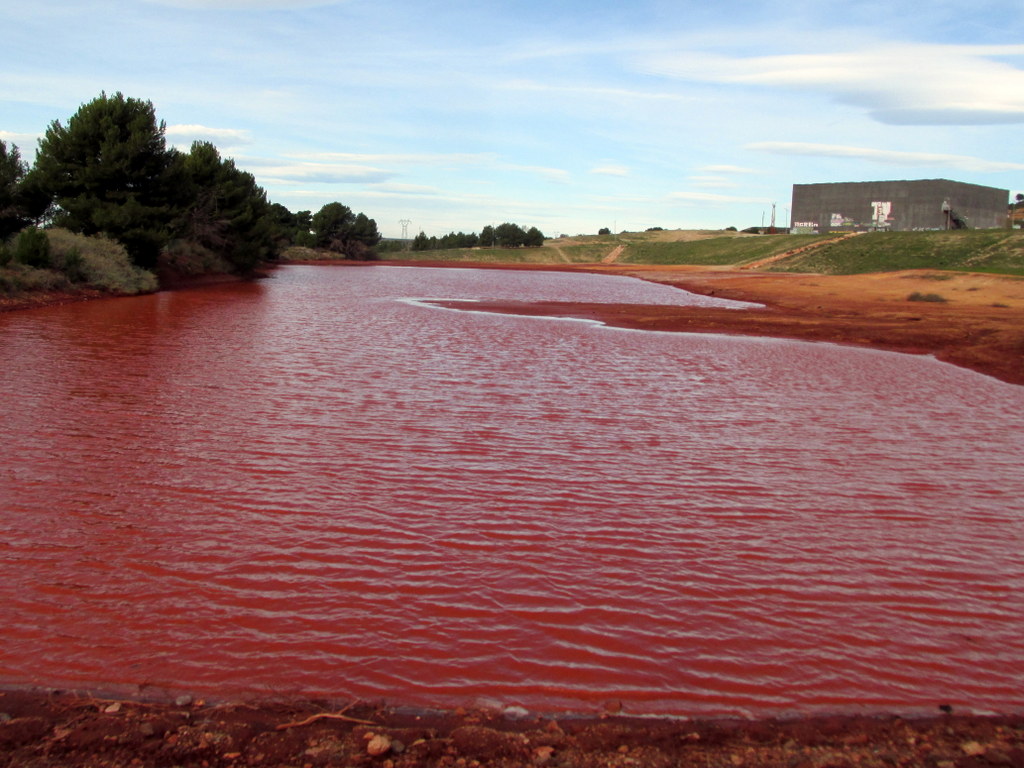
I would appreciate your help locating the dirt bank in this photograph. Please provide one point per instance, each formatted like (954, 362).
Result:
(48, 730)
(972, 320)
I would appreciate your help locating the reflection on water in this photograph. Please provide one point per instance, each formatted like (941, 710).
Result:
(310, 485)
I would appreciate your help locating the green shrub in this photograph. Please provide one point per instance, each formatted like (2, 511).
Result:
(32, 248)
(917, 296)
(99, 262)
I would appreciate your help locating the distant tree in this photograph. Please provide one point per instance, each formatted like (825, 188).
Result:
(486, 238)
(285, 223)
(534, 238)
(421, 242)
(604, 231)
(303, 222)
(509, 235)
(336, 228)
(459, 240)
(109, 171)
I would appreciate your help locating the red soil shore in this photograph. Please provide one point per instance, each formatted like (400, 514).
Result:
(43, 730)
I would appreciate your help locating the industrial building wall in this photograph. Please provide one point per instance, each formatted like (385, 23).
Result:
(896, 206)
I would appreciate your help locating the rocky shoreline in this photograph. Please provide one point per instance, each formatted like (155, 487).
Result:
(49, 729)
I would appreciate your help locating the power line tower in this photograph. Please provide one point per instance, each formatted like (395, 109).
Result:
(405, 231)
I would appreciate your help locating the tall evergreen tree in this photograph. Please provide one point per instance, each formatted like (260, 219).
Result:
(109, 171)
(13, 216)
(229, 214)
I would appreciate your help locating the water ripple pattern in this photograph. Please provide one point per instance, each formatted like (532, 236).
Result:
(316, 485)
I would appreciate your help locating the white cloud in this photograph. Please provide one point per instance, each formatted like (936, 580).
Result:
(902, 84)
(391, 189)
(610, 170)
(22, 140)
(712, 198)
(396, 159)
(885, 157)
(244, 5)
(351, 167)
(269, 172)
(551, 174)
(725, 169)
(591, 91)
(711, 181)
(221, 137)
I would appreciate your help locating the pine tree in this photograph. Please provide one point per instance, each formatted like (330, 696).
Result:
(13, 211)
(229, 214)
(109, 171)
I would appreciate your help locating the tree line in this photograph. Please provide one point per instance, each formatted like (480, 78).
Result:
(108, 173)
(505, 235)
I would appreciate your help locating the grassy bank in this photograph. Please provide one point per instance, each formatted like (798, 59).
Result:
(982, 250)
(997, 251)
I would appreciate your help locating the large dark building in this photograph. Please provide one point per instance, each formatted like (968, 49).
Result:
(897, 206)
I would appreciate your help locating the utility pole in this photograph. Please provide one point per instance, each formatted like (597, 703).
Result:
(405, 231)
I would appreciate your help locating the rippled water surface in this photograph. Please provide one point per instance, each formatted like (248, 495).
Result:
(314, 485)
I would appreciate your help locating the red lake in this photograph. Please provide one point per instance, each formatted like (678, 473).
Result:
(320, 484)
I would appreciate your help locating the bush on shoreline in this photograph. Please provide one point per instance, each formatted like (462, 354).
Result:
(98, 262)
(59, 260)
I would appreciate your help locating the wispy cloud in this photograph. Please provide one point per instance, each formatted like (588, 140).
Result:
(725, 169)
(21, 140)
(610, 170)
(592, 91)
(221, 137)
(712, 198)
(244, 5)
(900, 84)
(270, 171)
(711, 181)
(885, 157)
(398, 159)
(551, 174)
(392, 189)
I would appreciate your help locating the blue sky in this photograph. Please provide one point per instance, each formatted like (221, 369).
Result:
(564, 115)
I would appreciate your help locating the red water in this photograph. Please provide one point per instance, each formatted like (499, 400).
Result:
(312, 485)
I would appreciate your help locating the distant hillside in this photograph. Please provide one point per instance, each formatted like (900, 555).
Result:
(995, 250)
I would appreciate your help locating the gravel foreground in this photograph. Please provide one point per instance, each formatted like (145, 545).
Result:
(40, 729)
